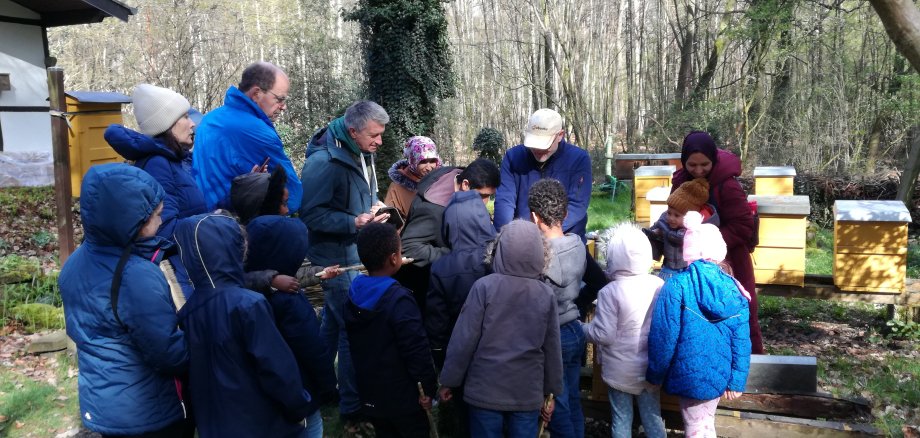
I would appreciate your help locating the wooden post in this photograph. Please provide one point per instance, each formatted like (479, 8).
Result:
(59, 139)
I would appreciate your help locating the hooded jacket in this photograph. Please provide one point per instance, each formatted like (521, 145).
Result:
(338, 194)
(505, 349)
(520, 170)
(280, 243)
(699, 342)
(566, 268)
(388, 346)
(126, 380)
(229, 141)
(242, 379)
(672, 241)
(624, 311)
(183, 197)
(467, 229)
(421, 238)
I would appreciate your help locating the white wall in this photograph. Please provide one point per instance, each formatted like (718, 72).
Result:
(22, 55)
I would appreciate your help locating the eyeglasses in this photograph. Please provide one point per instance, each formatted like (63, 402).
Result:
(281, 100)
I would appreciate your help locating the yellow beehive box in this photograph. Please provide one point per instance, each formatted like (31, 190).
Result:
(780, 254)
(870, 246)
(89, 113)
(658, 203)
(774, 180)
(646, 179)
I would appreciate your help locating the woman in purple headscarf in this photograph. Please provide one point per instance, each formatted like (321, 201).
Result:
(421, 157)
(702, 159)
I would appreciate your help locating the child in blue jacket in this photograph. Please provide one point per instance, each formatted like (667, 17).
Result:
(699, 343)
(277, 246)
(387, 340)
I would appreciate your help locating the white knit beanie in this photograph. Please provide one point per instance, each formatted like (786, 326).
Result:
(157, 109)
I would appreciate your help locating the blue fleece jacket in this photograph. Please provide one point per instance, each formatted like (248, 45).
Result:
(230, 140)
(570, 165)
(699, 345)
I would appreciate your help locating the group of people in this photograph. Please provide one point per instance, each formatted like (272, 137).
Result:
(186, 301)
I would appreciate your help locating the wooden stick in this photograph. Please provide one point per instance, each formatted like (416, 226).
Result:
(549, 399)
(432, 426)
(358, 267)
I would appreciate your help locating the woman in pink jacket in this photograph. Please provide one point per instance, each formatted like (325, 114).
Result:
(620, 330)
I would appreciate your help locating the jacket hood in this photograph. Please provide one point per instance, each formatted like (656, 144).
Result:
(398, 177)
(467, 223)
(628, 251)
(717, 294)
(519, 250)
(211, 247)
(729, 166)
(276, 242)
(568, 260)
(117, 199)
(366, 291)
(133, 145)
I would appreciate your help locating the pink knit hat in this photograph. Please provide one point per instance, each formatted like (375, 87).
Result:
(702, 241)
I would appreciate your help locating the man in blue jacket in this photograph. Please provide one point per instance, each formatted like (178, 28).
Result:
(341, 175)
(544, 154)
(234, 138)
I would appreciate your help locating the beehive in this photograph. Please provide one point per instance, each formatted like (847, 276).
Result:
(658, 203)
(646, 179)
(90, 114)
(870, 246)
(774, 180)
(780, 255)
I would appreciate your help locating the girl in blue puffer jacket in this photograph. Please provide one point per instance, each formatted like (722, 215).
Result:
(699, 343)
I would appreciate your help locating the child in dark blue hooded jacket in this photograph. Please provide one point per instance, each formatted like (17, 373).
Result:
(278, 244)
(387, 340)
(243, 379)
(127, 362)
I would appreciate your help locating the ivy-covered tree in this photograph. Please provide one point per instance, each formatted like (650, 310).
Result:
(490, 143)
(408, 67)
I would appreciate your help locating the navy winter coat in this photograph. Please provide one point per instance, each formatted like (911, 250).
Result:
(388, 346)
(242, 378)
(569, 164)
(467, 229)
(127, 384)
(699, 344)
(280, 243)
(338, 194)
(183, 197)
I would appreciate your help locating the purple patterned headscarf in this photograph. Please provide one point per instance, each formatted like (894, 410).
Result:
(420, 148)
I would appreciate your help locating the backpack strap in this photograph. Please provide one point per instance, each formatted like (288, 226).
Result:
(116, 282)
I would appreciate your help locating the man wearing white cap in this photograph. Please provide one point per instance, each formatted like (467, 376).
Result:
(544, 154)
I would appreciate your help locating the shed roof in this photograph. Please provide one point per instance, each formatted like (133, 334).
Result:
(99, 96)
(67, 12)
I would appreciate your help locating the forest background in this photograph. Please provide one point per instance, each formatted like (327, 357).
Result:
(816, 84)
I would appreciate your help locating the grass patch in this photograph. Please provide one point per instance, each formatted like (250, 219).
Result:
(604, 212)
(805, 309)
(819, 253)
(891, 383)
(31, 408)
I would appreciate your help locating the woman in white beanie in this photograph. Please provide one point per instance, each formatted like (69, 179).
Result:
(161, 148)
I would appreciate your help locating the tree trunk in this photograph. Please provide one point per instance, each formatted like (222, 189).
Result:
(911, 169)
(902, 22)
